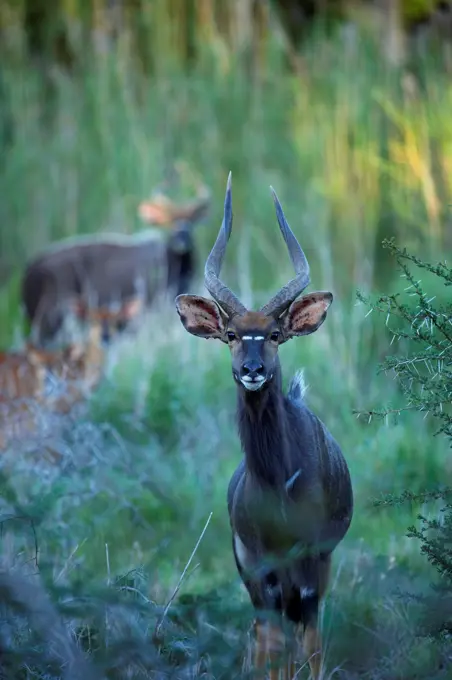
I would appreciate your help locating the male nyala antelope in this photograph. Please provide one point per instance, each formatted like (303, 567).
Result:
(290, 500)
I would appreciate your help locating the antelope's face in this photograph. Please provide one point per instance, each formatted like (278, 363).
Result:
(253, 337)
(253, 340)
(178, 219)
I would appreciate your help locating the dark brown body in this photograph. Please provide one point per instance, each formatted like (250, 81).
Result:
(270, 516)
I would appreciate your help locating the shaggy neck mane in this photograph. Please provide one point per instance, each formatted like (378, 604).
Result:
(263, 429)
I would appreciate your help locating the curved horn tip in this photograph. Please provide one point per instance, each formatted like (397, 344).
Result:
(227, 221)
(229, 187)
(275, 197)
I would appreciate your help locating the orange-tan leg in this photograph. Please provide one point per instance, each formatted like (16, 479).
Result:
(260, 650)
(291, 669)
(312, 646)
(312, 641)
(292, 644)
(270, 645)
(276, 647)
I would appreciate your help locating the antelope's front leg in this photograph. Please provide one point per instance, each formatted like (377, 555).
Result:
(269, 644)
(312, 647)
(291, 658)
(307, 645)
(260, 648)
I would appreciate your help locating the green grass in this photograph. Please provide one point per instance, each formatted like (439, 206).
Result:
(353, 161)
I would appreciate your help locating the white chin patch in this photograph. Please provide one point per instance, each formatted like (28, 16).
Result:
(252, 385)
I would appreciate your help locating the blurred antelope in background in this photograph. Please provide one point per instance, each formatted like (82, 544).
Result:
(111, 318)
(290, 500)
(37, 381)
(111, 268)
(24, 381)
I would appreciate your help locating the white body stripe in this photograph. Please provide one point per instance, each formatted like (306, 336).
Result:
(246, 559)
(253, 337)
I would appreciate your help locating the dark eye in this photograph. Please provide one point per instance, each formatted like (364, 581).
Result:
(231, 336)
(274, 336)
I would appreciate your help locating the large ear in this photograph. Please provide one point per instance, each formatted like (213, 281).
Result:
(201, 317)
(307, 314)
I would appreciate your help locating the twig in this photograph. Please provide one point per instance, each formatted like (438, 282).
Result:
(79, 545)
(107, 557)
(382, 414)
(130, 589)
(181, 578)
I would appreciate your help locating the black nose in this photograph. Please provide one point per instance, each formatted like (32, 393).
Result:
(252, 368)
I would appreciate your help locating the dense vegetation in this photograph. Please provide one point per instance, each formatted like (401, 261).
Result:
(420, 323)
(358, 151)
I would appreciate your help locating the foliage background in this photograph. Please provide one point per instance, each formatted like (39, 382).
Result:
(359, 148)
